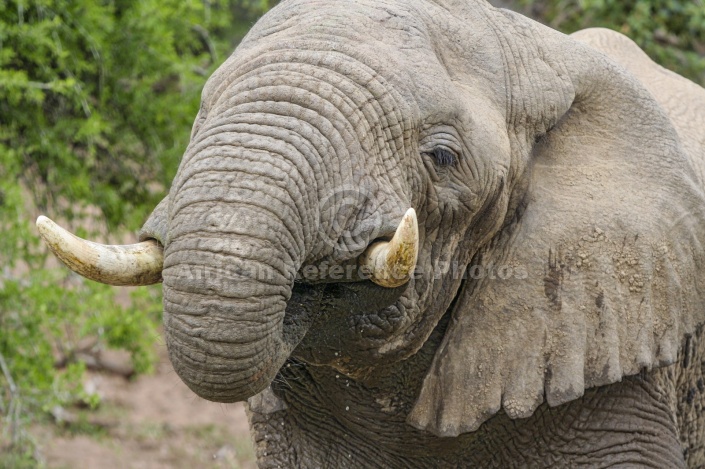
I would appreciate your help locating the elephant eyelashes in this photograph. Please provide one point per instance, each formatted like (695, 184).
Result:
(443, 157)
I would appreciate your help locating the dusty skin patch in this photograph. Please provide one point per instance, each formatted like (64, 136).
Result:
(153, 422)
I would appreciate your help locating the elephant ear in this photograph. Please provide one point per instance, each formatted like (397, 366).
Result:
(602, 263)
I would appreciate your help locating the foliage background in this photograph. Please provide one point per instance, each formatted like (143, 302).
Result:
(672, 32)
(96, 104)
(97, 99)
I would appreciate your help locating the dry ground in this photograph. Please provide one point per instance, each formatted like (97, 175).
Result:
(152, 422)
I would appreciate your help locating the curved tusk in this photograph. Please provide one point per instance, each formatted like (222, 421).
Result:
(129, 265)
(391, 263)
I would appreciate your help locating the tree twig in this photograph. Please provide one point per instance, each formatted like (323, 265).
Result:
(14, 406)
(95, 360)
(8, 376)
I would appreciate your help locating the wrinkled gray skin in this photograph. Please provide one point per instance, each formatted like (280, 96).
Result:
(581, 174)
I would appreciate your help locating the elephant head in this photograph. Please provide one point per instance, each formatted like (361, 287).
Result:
(560, 222)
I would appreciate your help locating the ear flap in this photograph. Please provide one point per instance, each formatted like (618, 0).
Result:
(604, 258)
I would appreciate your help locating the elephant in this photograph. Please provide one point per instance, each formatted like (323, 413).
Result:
(434, 233)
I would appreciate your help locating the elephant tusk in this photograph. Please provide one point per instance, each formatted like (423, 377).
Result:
(391, 263)
(129, 265)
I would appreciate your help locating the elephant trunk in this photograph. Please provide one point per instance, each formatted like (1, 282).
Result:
(238, 233)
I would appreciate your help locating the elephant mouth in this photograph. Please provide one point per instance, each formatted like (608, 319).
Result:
(321, 318)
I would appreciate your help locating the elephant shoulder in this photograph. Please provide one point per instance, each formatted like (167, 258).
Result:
(681, 99)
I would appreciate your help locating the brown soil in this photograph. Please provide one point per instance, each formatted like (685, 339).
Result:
(152, 422)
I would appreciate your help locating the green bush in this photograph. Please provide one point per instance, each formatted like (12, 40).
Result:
(672, 32)
(97, 100)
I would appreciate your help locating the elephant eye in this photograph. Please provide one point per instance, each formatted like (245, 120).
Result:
(443, 156)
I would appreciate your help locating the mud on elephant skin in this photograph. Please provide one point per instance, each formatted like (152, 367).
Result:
(355, 163)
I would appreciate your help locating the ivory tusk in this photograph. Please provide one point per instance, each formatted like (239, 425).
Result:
(128, 265)
(391, 263)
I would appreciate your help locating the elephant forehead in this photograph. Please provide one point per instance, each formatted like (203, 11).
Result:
(400, 34)
(419, 46)
(390, 22)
